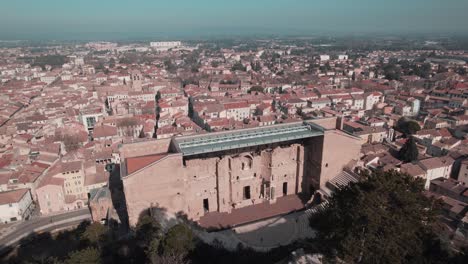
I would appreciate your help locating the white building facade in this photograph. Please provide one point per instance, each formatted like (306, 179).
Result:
(15, 205)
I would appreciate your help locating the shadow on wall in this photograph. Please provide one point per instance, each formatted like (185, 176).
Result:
(311, 169)
(167, 219)
(118, 197)
(457, 166)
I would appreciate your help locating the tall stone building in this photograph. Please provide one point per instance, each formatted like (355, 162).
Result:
(136, 80)
(210, 177)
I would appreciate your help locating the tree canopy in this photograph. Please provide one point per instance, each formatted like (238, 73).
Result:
(238, 66)
(214, 64)
(409, 152)
(384, 218)
(146, 229)
(407, 126)
(256, 66)
(86, 256)
(170, 67)
(94, 233)
(256, 88)
(178, 241)
(52, 60)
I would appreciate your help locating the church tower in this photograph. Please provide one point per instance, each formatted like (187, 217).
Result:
(135, 80)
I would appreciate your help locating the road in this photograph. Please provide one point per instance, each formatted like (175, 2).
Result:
(43, 224)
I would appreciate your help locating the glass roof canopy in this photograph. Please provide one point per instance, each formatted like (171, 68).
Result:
(212, 142)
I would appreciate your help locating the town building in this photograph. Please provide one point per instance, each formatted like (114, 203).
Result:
(15, 205)
(463, 173)
(437, 167)
(165, 45)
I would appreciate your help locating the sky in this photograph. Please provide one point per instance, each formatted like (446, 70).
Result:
(88, 19)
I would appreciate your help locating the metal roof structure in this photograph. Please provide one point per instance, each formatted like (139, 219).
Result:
(228, 140)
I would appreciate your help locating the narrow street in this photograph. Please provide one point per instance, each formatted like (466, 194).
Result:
(42, 224)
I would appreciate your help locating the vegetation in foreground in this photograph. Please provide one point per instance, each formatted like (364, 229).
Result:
(384, 218)
(95, 243)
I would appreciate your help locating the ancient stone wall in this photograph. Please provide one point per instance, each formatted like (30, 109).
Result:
(235, 179)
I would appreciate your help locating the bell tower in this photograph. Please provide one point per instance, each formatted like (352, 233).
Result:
(135, 80)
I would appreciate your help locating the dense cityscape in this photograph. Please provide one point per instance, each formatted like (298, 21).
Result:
(239, 143)
(199, 132)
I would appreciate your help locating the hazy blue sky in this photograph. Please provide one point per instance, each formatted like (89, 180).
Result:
(82, 18)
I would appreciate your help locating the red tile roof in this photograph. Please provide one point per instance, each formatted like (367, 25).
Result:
(412, 169)
(12, 196)
(104, 131)
(137, 163)
(49, 180)
(235, 105)
(436, 162)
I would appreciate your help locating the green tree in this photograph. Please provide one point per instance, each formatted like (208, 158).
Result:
(195, 68)
(409, 152)
(391, 72)
(178, 241)
(86, 256)
(94, 234)
(423, 71)
(52, 60)
(71, 142)
(170, 67)
(461, 70)
(112, 63)
(441, 69)
(238, 67)
(256, 66)
(147, 229)
(152, 250)
(383, 218)
(214, 64)
(256, 88)
(325, 68)
(407, 126)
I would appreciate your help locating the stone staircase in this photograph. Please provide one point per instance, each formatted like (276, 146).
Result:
(303, 227)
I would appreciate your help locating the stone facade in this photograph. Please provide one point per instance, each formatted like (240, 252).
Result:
(155, 176)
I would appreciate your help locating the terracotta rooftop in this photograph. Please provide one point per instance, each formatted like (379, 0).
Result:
(436, 162)
(49, 180)
(412, 169)
(367, 149)
(99, 177)
(235, 105)
(136, 163)
(104, 131)
(12, 196)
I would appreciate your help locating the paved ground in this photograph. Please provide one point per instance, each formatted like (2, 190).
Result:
(261, 235)
(248, 214)
(43, 224)
(269, 233)
(266, 234)
(7, 228)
